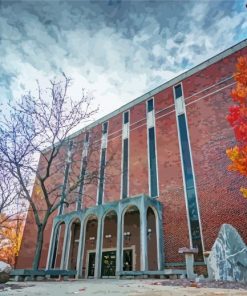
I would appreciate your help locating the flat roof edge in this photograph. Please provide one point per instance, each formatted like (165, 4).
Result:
(167, 84)
(164, 86)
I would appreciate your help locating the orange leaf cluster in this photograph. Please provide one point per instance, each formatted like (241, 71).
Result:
(237, 118)
(238, 156)
(10, 238)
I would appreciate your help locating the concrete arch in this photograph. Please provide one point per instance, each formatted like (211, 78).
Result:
(86, 248)
(57, 224)
(131, 236)
(154, 210)
(125, 209)
(152, 234)
(56, 242)
(87, 217)
(108, 212)
(71, 248)
(73, 219)
(159, 236)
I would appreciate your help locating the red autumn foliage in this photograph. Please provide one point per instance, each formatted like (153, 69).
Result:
(237, 118)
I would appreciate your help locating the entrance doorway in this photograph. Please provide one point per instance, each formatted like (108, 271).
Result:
(108, 267)
(91, 265)
(127, 260)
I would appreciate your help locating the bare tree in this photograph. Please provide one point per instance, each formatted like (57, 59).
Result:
(10, 192)
(41, 125)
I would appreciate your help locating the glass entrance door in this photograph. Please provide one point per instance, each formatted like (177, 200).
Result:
(91, 265)
(127, 260)
(108, 267)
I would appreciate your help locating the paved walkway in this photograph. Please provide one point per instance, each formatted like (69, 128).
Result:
(110, 288)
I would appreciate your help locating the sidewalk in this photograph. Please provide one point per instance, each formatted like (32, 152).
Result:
(111, 288)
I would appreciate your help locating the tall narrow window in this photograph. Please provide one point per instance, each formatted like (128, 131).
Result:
(188, 172)
(150, 105)
(84, 162)
(178, 91)
(104, 127)
(66, 176)
(87, 137)
(153, 179)
(125, 155)
(102, 162)
(126, 117)
(101, 175)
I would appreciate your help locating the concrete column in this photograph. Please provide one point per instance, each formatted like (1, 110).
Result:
(119, 253)
(68, 246)
(206, 259)
(189, 259)
(160, 241)
(65, 247)
(143, 234)
(98, 255)
(51, 247)
(80, 252)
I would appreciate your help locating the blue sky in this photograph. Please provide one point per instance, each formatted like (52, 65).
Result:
(115, 49)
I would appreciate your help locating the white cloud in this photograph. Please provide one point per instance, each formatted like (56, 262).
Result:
(112, 65)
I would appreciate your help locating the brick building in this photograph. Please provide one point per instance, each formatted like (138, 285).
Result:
(169, 186)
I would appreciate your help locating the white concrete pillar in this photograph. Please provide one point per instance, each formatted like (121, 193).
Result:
(98, 255)
(80, 252)
(51, 247)
(189, 259)
(68, 246)
(143, 234)
(119, 253)
(160, 242)
(65, 246)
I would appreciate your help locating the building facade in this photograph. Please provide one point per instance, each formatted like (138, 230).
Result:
(162, 180)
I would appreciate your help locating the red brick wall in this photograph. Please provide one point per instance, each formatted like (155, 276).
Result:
(138, 161)
(170, 177)
(112, 188)
(90, 190)
(218, 190)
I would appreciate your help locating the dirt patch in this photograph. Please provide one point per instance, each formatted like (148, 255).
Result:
(4, 287)
(201, 284)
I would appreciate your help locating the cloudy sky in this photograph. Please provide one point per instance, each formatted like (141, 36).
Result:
(116, 49)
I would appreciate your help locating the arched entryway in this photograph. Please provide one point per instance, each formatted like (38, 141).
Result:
(109, 245)
(74, 244)
(91, 228)
(58, 246)
(131, 239)
(151, 240)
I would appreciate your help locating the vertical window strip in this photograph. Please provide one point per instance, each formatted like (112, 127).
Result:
(153, 178)
(102, 175)
(83, 169)
(125, 155)
(66, 177)
(102, 163)
(152, 162)
(105, 128)
(189, 184)
(150, 105)
(126, 117)
(125, 168)
(178, 91)
(188, 175)
(82, 180)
